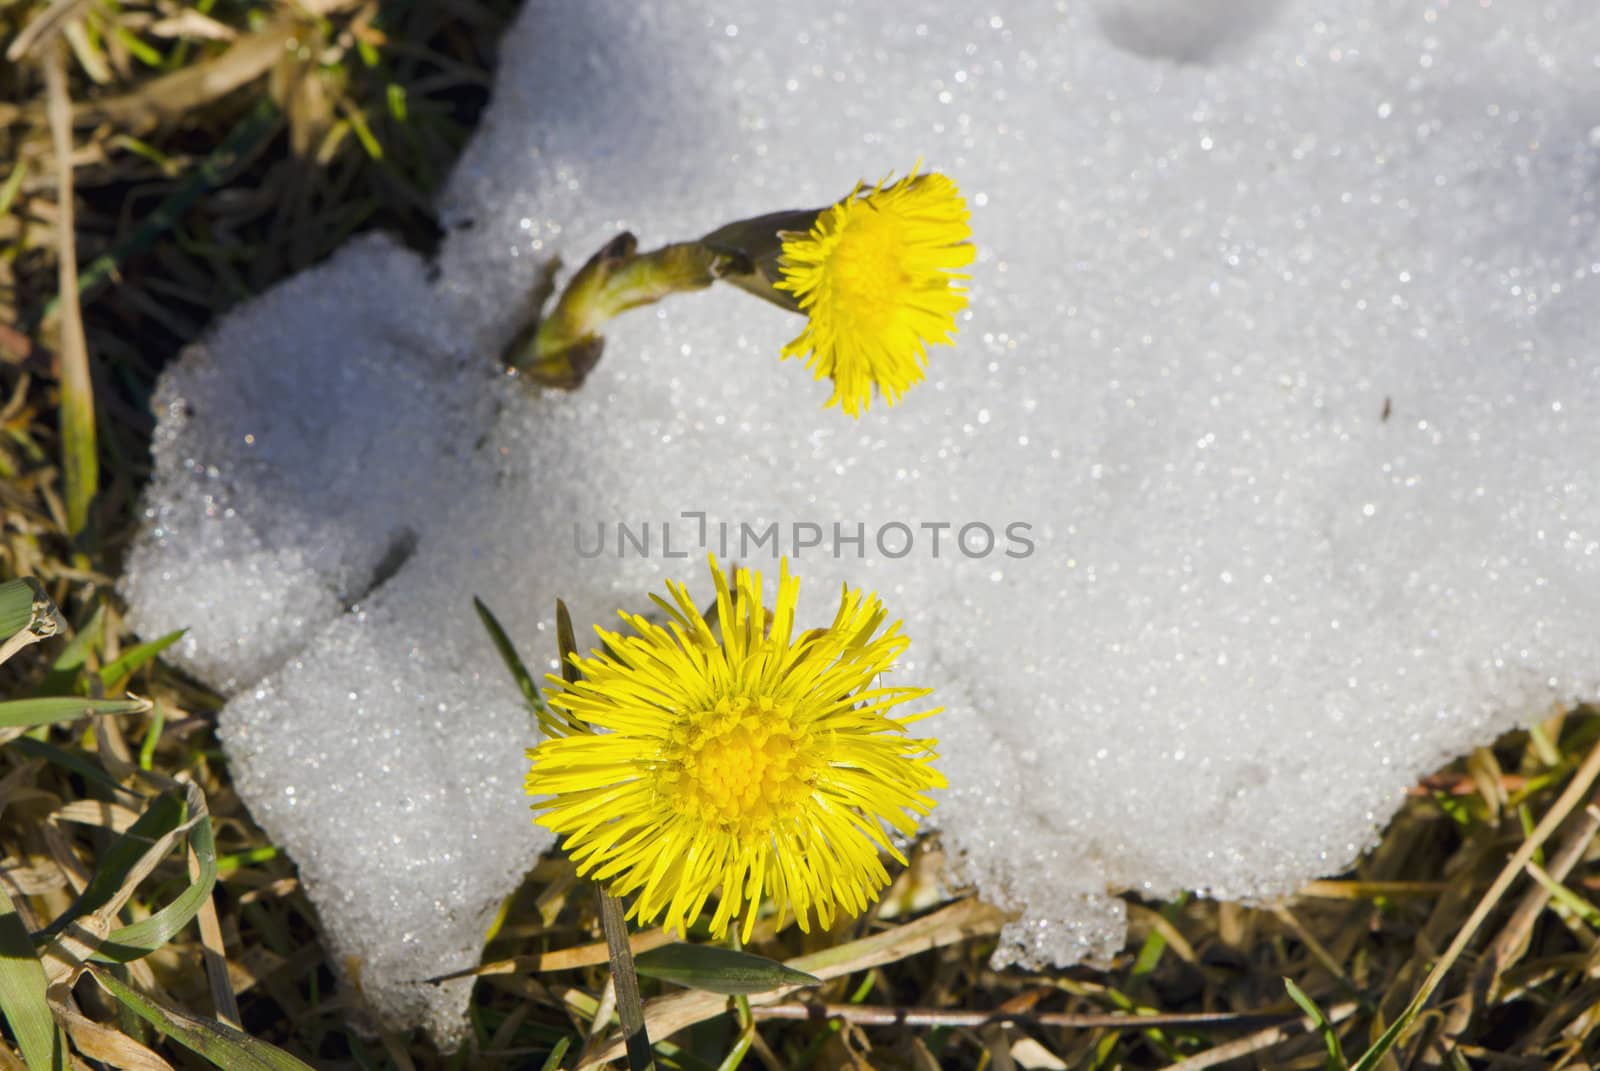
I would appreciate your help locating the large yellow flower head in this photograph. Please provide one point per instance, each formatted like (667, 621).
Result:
(745, 761)
(877, 279)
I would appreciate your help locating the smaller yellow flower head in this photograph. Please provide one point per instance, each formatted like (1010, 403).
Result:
(745, 762)
(877, 279)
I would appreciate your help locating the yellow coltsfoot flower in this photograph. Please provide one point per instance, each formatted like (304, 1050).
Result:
(876, 277)
(745, 762)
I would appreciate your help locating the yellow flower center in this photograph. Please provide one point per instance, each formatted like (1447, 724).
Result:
(866, 270)
(744, 764)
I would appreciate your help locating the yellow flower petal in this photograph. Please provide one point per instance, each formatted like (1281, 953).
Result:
(877, 279)
(760, 764)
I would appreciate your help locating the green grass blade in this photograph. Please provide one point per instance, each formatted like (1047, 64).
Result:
(741, 1048)
(164, 814)
(114, 674)
(28, 713)
(553, 1061)
(64, 670)
(74, 761)
(1566, 898)
(508, 655)
(13, 185)
(27, 615)
(17, 600)
(567, 641)
(1330, 1038)
(363, 131)
(1385, 1042)
(137, 48)
(148, 934)
(1155, 945)
(224, 1046)
(152, 737)
(80, 459)
(22, 995)
(551, 723)
(718, 970)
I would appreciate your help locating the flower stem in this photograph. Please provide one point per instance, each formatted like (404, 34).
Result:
(567, 343)
(747, 1021)
(747, 1036)
(629, 1007)
(758, 247)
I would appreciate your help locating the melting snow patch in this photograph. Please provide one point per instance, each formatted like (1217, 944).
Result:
(1277, 394)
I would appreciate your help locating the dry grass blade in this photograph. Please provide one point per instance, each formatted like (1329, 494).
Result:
(214, 954)
(1168, 932)
(881, 1015)
(104, 1043)
(960, 921)
(1328, 961)
(1511, 942)
(80, 462)
(565, 959)
(1579, 787)
(30, 880)
(191, 23)
(1263, 1039)
(171, 96)
(1368, 890)
(16, 347)
(323, 8)
(50, 22)
(106, 814)
(65, 956)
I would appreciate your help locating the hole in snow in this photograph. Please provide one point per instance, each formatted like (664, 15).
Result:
(1188, 31)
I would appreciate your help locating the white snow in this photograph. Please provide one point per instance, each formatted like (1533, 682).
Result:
(1283, 341)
